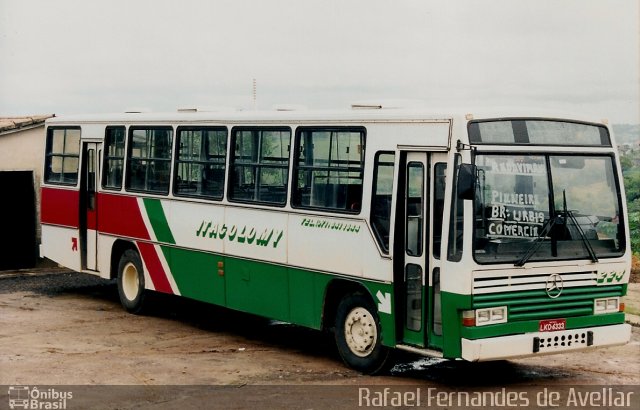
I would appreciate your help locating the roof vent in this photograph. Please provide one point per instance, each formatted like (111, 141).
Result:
(364, 106)
(289, 107)
(205, 109)
(136, 110)
(386, 104)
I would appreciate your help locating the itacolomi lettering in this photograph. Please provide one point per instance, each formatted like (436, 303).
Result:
(245, 234)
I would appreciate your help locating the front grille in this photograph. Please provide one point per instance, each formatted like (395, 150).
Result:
(489, 282)
(536, 304)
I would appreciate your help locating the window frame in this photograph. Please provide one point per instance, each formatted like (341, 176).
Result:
(437, 227)
(258, 165)
(296, 167)
(177, 161)
(521, 138)
(129, 148)
(622, 235)
(421, 208)
(49, 155)
(455, 253)
(374, 185)
(107, 157)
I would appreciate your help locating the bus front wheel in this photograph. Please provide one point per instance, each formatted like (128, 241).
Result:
(131, 288)
(358, 336)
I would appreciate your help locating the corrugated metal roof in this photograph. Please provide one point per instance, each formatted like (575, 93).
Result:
(11, 124)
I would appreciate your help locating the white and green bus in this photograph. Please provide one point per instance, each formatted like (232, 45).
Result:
(458, 236)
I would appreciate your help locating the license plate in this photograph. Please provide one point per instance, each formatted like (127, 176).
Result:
(552, 325)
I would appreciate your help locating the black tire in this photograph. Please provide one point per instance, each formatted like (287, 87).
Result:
(362, 351)
(131, 286)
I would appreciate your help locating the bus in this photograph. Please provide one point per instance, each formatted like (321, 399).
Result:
(466, 236)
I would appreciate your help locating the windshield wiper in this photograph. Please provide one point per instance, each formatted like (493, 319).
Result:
(558, 219)
(544, 231)
(585, 240)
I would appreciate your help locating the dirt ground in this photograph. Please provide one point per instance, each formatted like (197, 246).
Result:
(64, 328)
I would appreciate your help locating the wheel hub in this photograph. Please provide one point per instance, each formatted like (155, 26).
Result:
(360, 332)
(130, 282)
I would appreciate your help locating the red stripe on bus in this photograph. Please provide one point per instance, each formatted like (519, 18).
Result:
(120, 215)
(59, 207)
(92, 222)
(156, 272)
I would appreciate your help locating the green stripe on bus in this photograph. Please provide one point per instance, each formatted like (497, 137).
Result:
(271, 290)
(196, 274)
(452, 306)
(158, 220)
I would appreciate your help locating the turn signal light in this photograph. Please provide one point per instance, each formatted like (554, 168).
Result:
(468, 318)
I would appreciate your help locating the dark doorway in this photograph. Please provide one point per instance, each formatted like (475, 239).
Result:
(18, 216)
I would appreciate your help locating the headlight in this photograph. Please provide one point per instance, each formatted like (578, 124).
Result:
(488, 316)
(497, 315)
(482, 316)
(606, 305)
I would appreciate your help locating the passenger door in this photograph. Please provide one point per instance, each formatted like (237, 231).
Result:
(91, 154)
(410, 273)
(420, 205)
(437, 190)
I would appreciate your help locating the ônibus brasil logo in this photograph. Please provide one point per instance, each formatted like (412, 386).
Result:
(25, 397)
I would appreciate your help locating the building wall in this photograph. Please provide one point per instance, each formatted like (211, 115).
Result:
(23, 150)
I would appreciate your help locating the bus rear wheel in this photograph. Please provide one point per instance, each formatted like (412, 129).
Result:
(131, 287)
(358, 336)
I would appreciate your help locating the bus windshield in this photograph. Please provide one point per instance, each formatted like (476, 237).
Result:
(546, 207)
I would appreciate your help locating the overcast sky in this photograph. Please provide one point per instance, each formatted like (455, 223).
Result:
(65, 56)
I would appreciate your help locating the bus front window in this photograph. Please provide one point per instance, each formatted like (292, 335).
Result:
(542, 207)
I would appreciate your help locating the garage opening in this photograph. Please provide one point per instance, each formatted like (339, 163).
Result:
(18, 248)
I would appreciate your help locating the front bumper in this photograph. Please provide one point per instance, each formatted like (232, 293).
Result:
(539, 343)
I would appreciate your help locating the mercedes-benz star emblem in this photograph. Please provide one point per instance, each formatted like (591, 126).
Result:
(554, 285)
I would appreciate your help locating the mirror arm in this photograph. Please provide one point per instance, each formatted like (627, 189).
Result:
(460, 146)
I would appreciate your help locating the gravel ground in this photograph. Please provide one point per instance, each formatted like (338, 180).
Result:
(65, 328)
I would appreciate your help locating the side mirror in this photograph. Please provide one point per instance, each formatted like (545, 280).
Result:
(467, 181)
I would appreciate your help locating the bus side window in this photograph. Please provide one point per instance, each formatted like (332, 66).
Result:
(456, 222)
(381, 197)
(329, 169)
(440, 170)
(113, 158)
(200, 162)
(149, 158)
(259, 168)
(62, 155)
